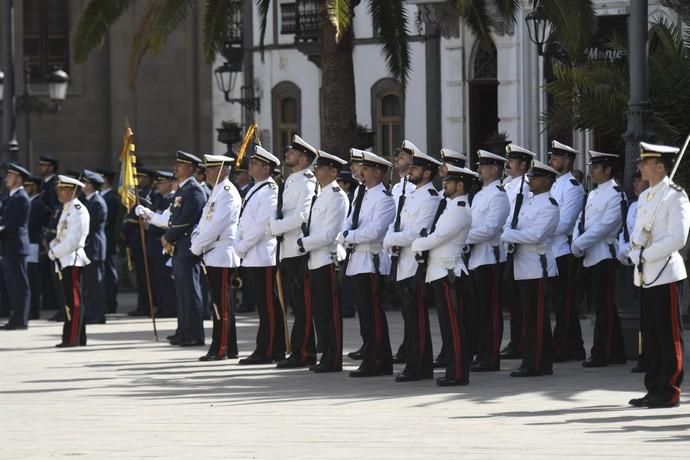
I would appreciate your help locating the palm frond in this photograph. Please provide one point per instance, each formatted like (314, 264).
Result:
(262, 6)
(508, 9)
(340, 15)
(390, 20)
(475, 13)
(218, 17)
(574, 22)
(93, 25)
(141, 41)
(171, 14)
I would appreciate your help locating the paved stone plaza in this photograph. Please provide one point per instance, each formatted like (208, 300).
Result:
(127, 397)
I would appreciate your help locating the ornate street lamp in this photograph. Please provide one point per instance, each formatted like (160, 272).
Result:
(537, 26)
(58, 80)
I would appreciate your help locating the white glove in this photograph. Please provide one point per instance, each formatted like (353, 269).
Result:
(340, 239)
(634, 256)
(141, 211)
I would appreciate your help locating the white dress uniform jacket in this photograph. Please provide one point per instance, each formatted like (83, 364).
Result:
(623, 247)
(254, 243)
(327, 220)
(72, 230)
(490, 209)
(512, 188)
(669, 234)
(570, 196)
(397, 189)
(602, 223)
(214, 236)
(297, 195)
(376, 214)
(445, 244)
(417, 214)
(537, 223)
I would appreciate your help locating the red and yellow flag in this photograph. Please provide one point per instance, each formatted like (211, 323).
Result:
(128, 173)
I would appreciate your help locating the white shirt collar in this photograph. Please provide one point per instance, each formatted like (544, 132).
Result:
(12, 192)
(181, 184)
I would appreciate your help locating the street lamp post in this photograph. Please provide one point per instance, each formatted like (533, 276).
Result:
(27, 103)
(537, 26)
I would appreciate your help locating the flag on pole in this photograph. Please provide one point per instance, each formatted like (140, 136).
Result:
(252, 134)
(128, 173)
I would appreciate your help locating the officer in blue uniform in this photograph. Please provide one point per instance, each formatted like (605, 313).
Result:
(51, 289)
(38, 218)
(92, 274)
(185, 212)
(112, 201)
(132, 237)
(14, 234)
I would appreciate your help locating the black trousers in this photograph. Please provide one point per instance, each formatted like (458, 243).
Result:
(419, 358)
(270, 337)
(74, 327)
(297, 292)
(538, 353)
(190, 319)
(163, 287)
(111, 280)
(567, 334)
(34, 272)
(376, 352)
(663, 346)
(608, 338)
(451, 318)
(511, 298)
(224, 342)
(487, 287)
(327, 315)
(52, 297)
(17, 282)
(94, 291)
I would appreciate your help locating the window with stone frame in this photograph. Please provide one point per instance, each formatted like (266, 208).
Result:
(286, 114)
(46, 36)
(387, 116)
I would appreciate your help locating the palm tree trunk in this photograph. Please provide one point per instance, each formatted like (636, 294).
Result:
(337, 95)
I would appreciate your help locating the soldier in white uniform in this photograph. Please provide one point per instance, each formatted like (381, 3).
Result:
(594, 238)
(256, 247)
(67, 252)
(568, 192)
(661, 230)
(326, 219)
(533, 264)
(490, 209)
(519, 161)
(441, 250)
(296, 195)
(451, 157)
(412, 219)
(213, 240)
(367, 262)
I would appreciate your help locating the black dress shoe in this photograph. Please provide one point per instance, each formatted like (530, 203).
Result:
(365, 373)
(510, 352)
(407, 377)
(449, 382)
(251, 359)
(355, 354)
(232, 355)
(175, 341)
(484, 367)
(171, 337)
(212, 358)
(594, 363)
(13, 327)
(293, 363)
(657, 402)
(524, 372)
(398, 359)
(639, 402)
(323, 368)
(192, 343)
(64, 345)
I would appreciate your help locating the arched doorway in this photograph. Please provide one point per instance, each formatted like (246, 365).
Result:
(483, 113)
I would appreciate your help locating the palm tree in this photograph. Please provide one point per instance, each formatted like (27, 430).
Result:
(572, 22)
(595, 95)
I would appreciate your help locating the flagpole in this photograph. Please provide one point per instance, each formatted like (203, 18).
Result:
(127, 148)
